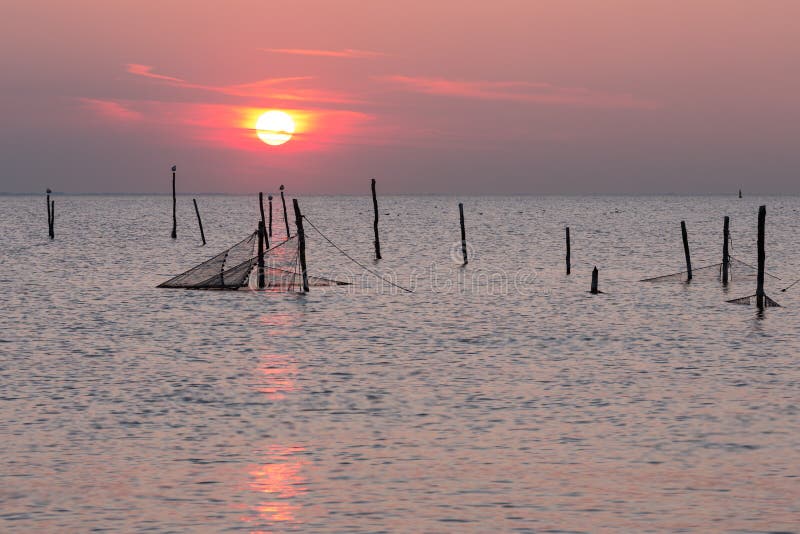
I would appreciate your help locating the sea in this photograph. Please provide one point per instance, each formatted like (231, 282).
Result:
(426, 395)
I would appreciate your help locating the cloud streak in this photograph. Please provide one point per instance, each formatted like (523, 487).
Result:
(280, 88)
(343, 53)
(515, 91)
(111, 109)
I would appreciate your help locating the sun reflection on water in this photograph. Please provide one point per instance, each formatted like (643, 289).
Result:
(278, 480)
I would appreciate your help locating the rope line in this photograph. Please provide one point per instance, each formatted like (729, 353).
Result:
(349, 257)
(754, 267)
(790, 285)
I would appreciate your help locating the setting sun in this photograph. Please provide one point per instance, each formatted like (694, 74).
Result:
(275, 127)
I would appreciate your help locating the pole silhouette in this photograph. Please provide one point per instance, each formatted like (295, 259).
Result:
(375, 222)
(199, 221)
(301, 242)
(725, 255)
(463, 233)
(174, 205)
(686, 251)
(285, 214)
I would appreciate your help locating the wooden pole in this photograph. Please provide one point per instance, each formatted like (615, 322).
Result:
(463, 233)
(569, 263)
(49, 215)
(270, 215)
(740, 193)
(725, 256)
(263, 220)
(375, 222)
(686, 251)
(301, 243)
(762, 216)
(595, 276)
(285, 215)
(261, 232)
(174, 207)
(199, 221)
(52, 219)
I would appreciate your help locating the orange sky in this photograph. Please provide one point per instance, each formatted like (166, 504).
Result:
(426, 96)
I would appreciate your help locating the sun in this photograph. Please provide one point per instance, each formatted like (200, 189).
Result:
(275, 127)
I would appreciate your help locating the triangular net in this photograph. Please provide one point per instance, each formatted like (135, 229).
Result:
(737, 270)
(227, 270)
(752, 300)
(237, 267)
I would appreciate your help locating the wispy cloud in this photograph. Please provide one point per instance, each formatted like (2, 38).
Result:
(111, 109)
(147, 72)
(532, 92)
(280, 88)
(343, 53)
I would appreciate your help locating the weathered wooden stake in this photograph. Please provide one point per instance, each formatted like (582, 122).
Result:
(595, 276)
(199, 221)
(174, 206)
(686, 251)
(375, 223)
(52, 219)
(569, 263)
(762, 217)
(49, 215)
(740, 193)
(301, 243)
(270, 215)
(725, 256)
(263, 221)
(285, 214)
(463, 233)
(261, 231)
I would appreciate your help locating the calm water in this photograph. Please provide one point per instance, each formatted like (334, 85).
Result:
(498, 397)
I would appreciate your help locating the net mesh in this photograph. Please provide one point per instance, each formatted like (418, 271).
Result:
(227, 270)
(737, 270)
(282, 270)
(752, 300)
(236, 267)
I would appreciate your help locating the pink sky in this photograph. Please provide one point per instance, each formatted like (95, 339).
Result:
(433, 96)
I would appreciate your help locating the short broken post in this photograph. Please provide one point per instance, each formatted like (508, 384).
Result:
(199, 221)
(569, 263)
(261, 231)
(725, 255)
(375, 222)
(301, 243)
(270, 215)
(762, 216)
(686, 251)
(285, 215)
(463, 233)
(263, 221)
(174, 205)
(594, 290)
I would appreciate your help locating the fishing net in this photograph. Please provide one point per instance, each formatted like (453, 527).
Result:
(237, 267)
(227, 270)
(737, 270)
(282, 271)
(752, 300)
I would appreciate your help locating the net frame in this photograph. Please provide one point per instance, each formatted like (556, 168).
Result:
(736, 269)
(752, 300)
(281, 269)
